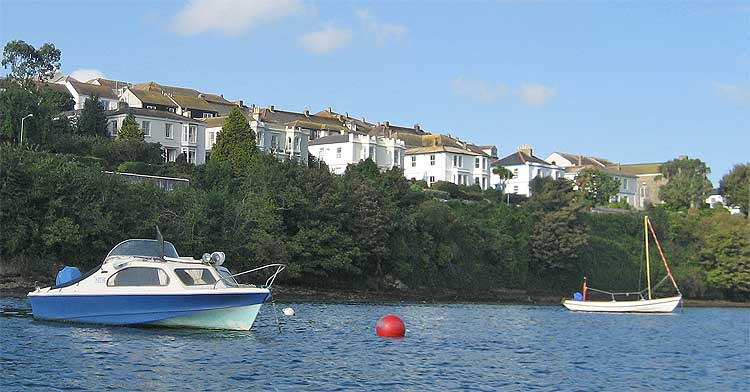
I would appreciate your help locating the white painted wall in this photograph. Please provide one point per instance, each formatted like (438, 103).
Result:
(385, 152)
(452, 167)
(523, 174)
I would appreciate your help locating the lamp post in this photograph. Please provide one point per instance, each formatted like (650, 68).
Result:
(25, 117)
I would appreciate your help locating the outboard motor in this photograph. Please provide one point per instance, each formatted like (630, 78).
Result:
(66, 275)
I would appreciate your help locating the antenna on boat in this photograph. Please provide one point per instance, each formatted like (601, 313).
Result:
(161, 242)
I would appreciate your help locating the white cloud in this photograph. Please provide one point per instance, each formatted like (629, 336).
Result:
(326, 40)
(231, 17)
(84, 75)
(733, 92)
(479, 90)
(535, 94)
(383, 32)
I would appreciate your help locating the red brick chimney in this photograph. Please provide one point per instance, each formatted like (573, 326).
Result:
(526, 149)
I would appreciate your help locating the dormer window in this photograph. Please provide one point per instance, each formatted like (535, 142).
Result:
(151, 107)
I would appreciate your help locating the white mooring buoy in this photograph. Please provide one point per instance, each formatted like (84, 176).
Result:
(288, 311)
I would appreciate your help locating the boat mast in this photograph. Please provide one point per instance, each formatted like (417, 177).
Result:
(648, 271)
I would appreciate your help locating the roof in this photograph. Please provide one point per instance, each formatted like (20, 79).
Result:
(519, 158)
(152, 113)
(92, 89)
(214, 122)
(608, 170)
(156, 87)
(217, 99)
(637, 169)
(54, 86)
(329, 140)
(193, 102)
(305, 120)
(585, 160)
(113, 84)
(152, 97)
(346, 119)
(438, 148)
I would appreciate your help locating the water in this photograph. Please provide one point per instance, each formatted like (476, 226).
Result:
(334, 347)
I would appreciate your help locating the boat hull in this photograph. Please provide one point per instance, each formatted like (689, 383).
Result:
(225, 310)
(661, 305)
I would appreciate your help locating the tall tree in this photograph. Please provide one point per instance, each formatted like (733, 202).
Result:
(735, 186)
(504, 174)
(235, 143)
(29, 64)
(130, 129)
(596, 186)
(687, 183)
(93, 120)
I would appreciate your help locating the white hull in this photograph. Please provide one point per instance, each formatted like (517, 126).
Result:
(661, 305)
(238, 319)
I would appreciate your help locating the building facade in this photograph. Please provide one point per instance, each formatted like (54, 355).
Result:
(339, 151)
(82, 91)
(177, 134)
(524, 167)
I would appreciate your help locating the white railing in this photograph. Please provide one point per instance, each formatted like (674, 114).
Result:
(269, 281)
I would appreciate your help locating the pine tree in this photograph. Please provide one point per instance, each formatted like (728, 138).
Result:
(93, 120)
(235, 143)
(130, 129)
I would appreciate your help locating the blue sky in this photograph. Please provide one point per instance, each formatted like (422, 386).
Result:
(627, 81)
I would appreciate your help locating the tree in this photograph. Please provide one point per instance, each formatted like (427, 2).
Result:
(687, 183)
(235, 143)
(28, 64)
(735, 186)
(130, 129)
(504, 174)
(725, 254)
(93, 120)
(596, 186)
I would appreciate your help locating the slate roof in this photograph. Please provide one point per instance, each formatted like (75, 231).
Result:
(585, 160)
(113, 84)
(92, 89)
(360, 124)
(518, 158)
(152, 113)
(300, 119)
(433, 149)
(152, 97)
(332, 139)
(192, 102)
(608, 170)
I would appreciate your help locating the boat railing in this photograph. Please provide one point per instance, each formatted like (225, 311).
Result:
(269, 281)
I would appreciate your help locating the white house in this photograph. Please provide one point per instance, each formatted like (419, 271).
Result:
(525, 167)
(83, 91)
(716, 199)
(338, 151)
(177, 134)
(574, 163)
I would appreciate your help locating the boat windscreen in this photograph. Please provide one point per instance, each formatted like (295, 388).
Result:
(146, 248)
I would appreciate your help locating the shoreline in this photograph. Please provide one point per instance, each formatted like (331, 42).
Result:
(15, 287)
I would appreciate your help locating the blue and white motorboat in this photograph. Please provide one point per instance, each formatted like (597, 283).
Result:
(145, 282)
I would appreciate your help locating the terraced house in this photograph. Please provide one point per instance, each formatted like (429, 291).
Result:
(574, 163)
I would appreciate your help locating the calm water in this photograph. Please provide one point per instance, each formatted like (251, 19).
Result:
(334, 347)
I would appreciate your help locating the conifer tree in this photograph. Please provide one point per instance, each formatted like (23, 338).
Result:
(130, 129)
(235, 143)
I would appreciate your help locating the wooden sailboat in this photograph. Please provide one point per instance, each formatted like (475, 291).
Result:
(641, 305)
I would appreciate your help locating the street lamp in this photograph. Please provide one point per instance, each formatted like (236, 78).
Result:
(25, 117)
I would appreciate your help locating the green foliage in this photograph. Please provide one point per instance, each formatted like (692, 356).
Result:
(27, 63)
(687, 183)
(17, 100)
(735, 186)
(130, 130)
(235, 143)
(93, 120)
(596, 187)
(725, 253)
(622, 205)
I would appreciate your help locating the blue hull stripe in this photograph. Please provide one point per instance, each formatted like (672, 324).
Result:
(134, 309)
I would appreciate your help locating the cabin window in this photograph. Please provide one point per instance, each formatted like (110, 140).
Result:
(195, 276)
(139, 276)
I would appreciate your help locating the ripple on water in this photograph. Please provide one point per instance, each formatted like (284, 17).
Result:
(334, 347)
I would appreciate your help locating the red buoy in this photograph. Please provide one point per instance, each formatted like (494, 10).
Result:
(390, 326)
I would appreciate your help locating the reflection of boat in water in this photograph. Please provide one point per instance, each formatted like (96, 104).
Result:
(146, 282)
(641, 305)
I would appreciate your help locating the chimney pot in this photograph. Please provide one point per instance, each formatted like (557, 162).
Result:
(387, 123)
(526, 149)
(270, 107)
(307, 113)
(580, 160)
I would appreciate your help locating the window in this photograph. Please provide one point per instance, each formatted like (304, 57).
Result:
(320, 153)
(515, 173)
(484, 183)
(105, 104)
(297, 142)
(484, 163)
(338, 152)
(191, 156)
(476, 163)
(195, 276)
(396, 159)
(432, 179)
(211, 138)
(275, 142)
(171, 110)
(112, 128)
(515, 188)
(476, 180)
(455, 160)
(208, 115)
(139, 276)
(625, 184)
(168, 131)
(193, 130)
(288, 143)
(259, 139)
(432, 160)
(151, 107)
(184, 133)
(146, 128)
(413, 161)
(372, 153)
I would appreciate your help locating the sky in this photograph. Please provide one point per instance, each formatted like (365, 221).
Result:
(628, 81)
